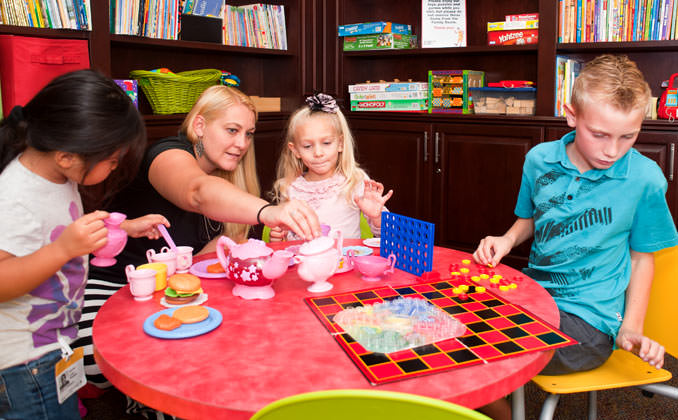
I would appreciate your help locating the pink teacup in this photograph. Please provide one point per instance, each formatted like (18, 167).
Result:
(167, 257)
(184, 258)
(372, 267)
(141, 282)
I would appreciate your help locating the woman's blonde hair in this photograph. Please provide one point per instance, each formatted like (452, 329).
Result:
(289, 167)
(212, 102)
(614, 80)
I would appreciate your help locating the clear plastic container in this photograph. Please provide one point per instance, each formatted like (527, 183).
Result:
(503, 101)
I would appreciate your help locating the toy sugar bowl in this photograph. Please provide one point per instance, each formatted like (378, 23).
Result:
(252, 266)
(318, 260)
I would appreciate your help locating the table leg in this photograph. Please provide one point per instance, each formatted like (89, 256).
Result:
(518, 404)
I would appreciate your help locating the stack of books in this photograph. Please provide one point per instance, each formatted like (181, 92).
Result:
(617, 20)
(255, 25)
(567, 69)
(377, 36)
(55, 14)
(389, 96)
(149, 18)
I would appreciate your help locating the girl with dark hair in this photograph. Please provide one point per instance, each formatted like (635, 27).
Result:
(74, 132)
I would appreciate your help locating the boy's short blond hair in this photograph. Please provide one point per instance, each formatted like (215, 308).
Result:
(614, 80)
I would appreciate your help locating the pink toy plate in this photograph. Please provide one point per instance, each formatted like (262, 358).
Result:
(200, 269)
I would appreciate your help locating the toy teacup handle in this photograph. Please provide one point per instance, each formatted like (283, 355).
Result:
(129, 269)
(392, 259)
(165, 249)
(149, 255)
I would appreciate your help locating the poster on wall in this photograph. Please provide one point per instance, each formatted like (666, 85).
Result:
(443, 23)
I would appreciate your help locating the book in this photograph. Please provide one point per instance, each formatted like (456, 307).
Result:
(210, 8)
(443, 23)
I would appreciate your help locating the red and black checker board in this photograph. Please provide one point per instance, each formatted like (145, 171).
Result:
(495, 329)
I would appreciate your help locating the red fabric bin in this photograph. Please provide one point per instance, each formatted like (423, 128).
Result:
(27, 64)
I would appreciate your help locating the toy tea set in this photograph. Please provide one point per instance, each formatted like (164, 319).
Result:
(252, 265)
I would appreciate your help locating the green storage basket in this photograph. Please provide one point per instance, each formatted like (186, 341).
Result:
(174, 93)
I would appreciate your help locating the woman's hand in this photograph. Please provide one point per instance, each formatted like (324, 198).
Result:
(145, 226)
(292, 215)
(277, 234)
(371, 203)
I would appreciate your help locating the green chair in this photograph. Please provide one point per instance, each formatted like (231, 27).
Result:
(367, 404)
(365, 231)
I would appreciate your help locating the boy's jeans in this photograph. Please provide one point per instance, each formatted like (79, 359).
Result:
(28, 391)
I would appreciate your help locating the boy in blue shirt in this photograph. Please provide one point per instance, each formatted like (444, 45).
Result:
(596, 210)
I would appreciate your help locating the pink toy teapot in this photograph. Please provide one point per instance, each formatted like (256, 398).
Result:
(252, 266)
(318, 261)
(372, 267)
(117, 239)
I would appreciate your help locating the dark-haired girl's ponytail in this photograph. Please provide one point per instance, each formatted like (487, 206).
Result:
(12, 136)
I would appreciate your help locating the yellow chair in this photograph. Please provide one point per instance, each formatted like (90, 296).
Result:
(364, 404)
(624, 369)
(365, 231)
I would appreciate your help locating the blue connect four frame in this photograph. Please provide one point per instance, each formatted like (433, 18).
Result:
(410, 240)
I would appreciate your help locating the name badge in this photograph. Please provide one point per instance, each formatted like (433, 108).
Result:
(69, 372)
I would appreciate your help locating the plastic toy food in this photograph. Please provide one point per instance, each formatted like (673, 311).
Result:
(166, 323)
(191, 314)
(252, 266)
(182, 288)
(215, 268)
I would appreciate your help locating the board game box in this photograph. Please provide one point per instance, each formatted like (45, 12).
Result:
(379, 42)
(374, 28)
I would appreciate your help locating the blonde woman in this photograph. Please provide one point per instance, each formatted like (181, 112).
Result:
(204, 182)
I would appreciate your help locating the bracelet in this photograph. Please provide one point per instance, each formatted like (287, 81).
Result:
(260, 210)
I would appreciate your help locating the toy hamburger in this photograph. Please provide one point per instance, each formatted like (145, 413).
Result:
(182, 288)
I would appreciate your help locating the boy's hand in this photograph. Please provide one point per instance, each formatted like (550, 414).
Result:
(145, 226)
(278, 234)
(492, 249)
(371, 203)
(646, 348)
(85, 235)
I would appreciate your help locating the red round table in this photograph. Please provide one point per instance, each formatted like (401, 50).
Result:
(267, 350)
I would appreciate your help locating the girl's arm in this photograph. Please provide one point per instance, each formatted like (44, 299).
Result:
(20, 275)
(493, 248)
(144, 226)
(175, 174)
(630, 336)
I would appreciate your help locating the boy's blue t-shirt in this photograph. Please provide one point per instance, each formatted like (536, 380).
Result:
(586, 224)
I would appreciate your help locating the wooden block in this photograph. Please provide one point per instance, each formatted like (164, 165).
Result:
(266, 104)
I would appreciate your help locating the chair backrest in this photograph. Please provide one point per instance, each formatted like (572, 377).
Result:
(356, 404)
(662, 310)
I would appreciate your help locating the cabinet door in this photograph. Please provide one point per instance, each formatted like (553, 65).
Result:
(268, 140)
(397, 155)
(478, 171)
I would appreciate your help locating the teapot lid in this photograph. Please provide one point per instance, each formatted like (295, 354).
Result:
(316, 246)
(253, 248)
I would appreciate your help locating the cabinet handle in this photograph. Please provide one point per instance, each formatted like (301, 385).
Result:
(672, 160)
(437, 152)
(425, 146)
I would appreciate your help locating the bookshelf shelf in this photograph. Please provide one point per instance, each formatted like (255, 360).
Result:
(122, 40)
(44, 32)
(445, 51)
(647, 46)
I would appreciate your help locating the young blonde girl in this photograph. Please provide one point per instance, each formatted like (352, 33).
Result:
(317, 165)
(75, 131)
